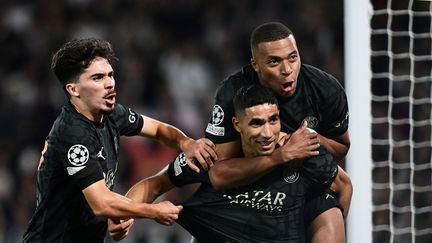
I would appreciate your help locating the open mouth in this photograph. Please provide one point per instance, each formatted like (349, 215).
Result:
(288, 86)
(266, 145)
(110, 98)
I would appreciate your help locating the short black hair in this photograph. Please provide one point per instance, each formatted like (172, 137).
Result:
(252, 95)
(271, 31)
(76, 55)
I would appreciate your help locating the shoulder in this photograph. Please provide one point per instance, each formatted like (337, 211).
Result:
(320, 80)
(229, 86)
(70, 128)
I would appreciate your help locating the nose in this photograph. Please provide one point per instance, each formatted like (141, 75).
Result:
(109, 83)
(286, 67)
(266, 132)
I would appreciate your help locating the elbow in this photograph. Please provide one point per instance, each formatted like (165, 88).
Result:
(216, 181)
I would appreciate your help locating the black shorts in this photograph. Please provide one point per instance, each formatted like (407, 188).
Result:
(317, 203)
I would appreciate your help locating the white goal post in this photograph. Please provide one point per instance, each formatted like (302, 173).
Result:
(357, 14)
(388, 63)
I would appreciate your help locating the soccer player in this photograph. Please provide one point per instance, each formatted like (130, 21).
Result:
(268, 210)
(305, 93)
(78, 165)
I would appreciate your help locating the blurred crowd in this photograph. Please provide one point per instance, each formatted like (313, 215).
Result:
(172, 56)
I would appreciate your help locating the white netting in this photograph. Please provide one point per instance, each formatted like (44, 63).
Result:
(401, 61)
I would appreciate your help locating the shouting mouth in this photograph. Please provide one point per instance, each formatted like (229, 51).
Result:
(110, 98)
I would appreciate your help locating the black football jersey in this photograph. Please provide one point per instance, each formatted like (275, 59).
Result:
(269, 210)
(319, 99)
(78, 153)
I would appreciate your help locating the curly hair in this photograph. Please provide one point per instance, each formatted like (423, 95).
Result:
(76, 55)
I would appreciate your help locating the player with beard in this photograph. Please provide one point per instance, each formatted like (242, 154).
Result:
(268, 210)
(78, 166)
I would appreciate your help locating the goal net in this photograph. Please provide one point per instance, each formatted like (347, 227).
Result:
(400, 99)
(401, 35)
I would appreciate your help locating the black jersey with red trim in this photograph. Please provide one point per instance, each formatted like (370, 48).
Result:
(78, 153)
(319, 99)
(269, 210)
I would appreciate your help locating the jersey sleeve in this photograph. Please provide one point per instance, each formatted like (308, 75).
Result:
(335, 111)
(75, 149)
(321, 170)
(181, 174)
(128, 122)
(220, 128)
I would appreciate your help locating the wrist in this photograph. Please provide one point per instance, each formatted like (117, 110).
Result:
(182, 143)
(276, 157)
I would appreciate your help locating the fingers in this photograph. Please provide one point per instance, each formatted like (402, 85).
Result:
(192, 165)
(204, 152)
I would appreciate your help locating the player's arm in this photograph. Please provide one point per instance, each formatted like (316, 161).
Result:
(147, 190)
(201, 149)
(104, 202)
(343, 187)
(337, 146)
(144, 191)
(231, 170)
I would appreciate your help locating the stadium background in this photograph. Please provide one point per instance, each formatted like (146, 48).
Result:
(172, 55)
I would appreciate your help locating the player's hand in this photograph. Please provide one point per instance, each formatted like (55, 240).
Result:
(119, 229)
(166, 212)
(303, 143)
(202, 150)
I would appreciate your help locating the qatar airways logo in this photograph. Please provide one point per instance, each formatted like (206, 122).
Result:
(259, 200)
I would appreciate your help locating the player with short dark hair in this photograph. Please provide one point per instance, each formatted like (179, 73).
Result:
(268, 210)
(79, 162)
(305, 93)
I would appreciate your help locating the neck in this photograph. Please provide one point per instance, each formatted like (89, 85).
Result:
(80, 108)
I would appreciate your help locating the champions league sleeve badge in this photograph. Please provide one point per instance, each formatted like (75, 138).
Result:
(78, 156)
(178, 163)
(217, 118)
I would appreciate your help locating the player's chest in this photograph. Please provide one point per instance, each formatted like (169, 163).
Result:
(107, 148)
(294, 112)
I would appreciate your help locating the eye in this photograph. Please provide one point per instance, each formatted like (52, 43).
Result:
(256, 123)
(97, 77)
(273, 62)
(293, 58)
(274, 119)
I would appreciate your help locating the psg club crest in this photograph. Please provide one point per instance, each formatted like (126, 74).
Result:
(291, 176)
(78, 155)
(312, 121)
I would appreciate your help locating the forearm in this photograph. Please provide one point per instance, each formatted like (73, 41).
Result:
(147, 190)
(120, 207)
(163, 132)
(337, 149)
(240, 171)
(343, 187)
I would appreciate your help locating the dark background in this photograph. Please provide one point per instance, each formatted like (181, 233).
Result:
(172, 56)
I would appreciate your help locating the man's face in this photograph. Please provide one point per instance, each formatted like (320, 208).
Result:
(94, 92)
(277, 64)
(259, 128)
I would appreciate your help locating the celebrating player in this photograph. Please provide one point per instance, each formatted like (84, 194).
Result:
(268, 210)
(305, 93)
(79, 162)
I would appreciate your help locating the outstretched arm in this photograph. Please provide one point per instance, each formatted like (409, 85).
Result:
(230, 170)
(201, 149)
(144, 191)
(104, 202)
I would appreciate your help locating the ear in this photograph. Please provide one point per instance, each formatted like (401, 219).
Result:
(72, 89)
(236, 123)
(254, 64)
